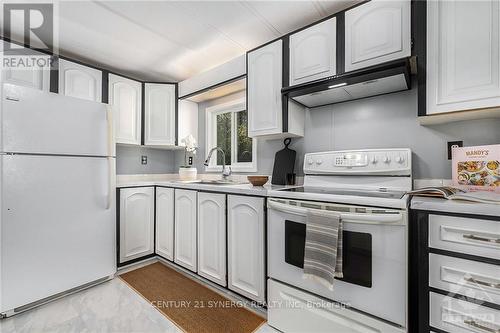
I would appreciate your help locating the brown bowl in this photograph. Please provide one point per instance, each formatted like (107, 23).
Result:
(258, 180)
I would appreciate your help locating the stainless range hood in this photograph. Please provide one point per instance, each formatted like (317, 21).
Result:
(376, 80)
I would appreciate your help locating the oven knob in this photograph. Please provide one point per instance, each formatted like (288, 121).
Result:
(400, 159)
(374, 160)
(310, 161)
(318, 162)
(387, 159)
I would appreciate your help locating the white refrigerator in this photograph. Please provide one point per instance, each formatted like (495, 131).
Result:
(57, 197)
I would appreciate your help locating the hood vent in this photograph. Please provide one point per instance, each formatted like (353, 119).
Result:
(376, 80)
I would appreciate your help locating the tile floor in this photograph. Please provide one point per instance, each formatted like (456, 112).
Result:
(108, 307)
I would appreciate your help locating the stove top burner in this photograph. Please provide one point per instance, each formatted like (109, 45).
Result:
(360, 193)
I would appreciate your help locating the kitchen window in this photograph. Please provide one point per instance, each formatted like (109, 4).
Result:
(227, 128)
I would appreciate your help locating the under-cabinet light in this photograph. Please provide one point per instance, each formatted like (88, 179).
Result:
(337, 85)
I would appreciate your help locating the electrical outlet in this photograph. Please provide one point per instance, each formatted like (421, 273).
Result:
(190, 160)
(144, 159)
(453, 144)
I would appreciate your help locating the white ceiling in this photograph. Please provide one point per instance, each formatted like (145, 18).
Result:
(174, 40)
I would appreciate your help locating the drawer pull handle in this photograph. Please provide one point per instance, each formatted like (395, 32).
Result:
(483, 239)
(483, 283)
(475, 324)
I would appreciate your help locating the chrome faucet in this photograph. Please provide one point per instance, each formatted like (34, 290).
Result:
(225, 173)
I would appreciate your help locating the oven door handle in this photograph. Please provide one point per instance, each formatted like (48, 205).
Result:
(393, 218)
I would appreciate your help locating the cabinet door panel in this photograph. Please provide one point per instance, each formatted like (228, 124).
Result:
(463, 63)
(136, 222)
(212, 237)
(264, 82)
(165, 222)
(125, 99)
(160, 102)
(37, 77)
(246, 271)
(79, 81)
(185, 229)
(313, 52)
(377, 32)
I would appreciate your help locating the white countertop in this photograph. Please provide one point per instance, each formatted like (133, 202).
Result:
(172, 181)
(454, 206)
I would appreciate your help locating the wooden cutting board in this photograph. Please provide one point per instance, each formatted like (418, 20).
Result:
(284, 163)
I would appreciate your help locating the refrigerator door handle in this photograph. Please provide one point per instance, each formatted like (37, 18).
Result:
(111, 136)
(110, 181)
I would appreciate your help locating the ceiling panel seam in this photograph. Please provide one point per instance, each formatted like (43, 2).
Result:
(255, 12)
(319, 8)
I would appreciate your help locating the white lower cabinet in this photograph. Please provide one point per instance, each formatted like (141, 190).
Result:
(293, 310)
(185, 229)
(459, 316)
(136, 222)
(212, 237)
(246, 265)
(165, 222)
(460, 276)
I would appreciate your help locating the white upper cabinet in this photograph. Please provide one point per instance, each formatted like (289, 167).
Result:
(212, 237)
(313, 52)
(185, 229)
(136, 223)
(264, 101)
(463, 59)
(36, 76)
(246, 265)
(376, 32)
(160, 105)
(264, 90)
(165, 222)
(125, 98)
(79, 81)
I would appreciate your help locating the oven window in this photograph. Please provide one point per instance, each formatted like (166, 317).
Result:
(357, 252)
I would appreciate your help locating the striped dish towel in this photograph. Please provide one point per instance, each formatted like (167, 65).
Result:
(323, 248)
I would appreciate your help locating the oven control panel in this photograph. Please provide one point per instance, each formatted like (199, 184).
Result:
(369, 161)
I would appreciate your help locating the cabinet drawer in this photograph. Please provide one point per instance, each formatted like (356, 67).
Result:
(457, 316)
(292, 310)
(471, 278)
(465, 235)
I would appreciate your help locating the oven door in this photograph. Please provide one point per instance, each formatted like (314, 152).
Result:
(374, 255)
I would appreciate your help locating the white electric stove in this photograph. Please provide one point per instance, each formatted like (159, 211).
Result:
(367, 189)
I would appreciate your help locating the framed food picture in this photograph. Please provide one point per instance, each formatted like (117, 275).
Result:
(477, 168)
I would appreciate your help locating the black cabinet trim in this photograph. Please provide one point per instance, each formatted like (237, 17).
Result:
(117, 227)
(176, 142)
(436, 330)
(143, 112)
(285, 82)
(54, 74)
(340, 43)
(419, 38)
(105, 87)
(470, 216)
(465, 256)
